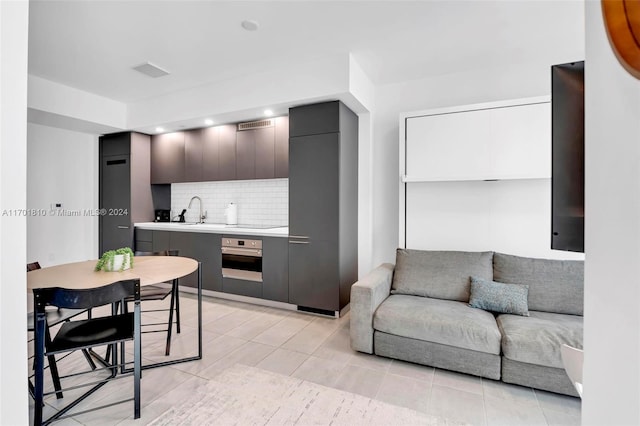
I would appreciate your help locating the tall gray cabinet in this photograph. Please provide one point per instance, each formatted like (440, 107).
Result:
(323, 206)
(124, 188)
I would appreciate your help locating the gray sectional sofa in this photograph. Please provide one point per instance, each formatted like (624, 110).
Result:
(418, 311)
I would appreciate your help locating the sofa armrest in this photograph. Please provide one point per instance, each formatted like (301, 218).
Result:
(366, 295)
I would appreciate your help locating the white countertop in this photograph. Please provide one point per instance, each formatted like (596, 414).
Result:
(214, 228)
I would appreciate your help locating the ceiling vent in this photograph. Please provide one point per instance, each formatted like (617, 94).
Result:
(255, 124)
(151, 70)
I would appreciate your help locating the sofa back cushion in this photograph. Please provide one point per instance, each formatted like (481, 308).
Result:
(554, 285)
(439, 274)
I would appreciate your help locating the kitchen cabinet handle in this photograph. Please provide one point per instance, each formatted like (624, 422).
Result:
(298, 242)
(299, 236)
(122, 227)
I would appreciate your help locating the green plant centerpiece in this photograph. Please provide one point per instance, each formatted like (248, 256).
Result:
(116, 260)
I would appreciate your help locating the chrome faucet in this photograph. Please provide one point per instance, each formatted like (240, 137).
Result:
(201, 217)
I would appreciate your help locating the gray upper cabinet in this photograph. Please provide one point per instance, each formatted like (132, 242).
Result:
(323, 209)
(245, 155)
(168, 158)
(124, 188)
(265, 153)
(255, 153)
(227, 152)
(282, 148)
(220, 153)
(210, 138)
(193, 155)
(314, 119)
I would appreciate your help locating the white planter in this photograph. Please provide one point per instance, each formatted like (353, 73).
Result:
(118, 260)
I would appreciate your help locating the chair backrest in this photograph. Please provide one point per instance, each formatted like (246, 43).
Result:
(85, 298)
(33, 266)
(157, 253)
(573, 360)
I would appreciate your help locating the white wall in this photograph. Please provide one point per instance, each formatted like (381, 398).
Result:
(464, 88)
(612, 234)
(54, 98)
(62, 168)
(14, 24)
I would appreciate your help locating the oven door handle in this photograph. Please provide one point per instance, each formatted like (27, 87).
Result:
(242, 251)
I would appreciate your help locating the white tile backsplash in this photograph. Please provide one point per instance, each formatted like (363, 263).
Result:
(260, 202)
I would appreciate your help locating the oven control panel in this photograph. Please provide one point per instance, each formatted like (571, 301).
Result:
(241, 243)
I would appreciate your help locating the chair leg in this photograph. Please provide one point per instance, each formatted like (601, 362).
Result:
(176, 291)
(87, 356)
(167, 349)
(124, 308)
(39, 332)
(137, 361)
(53, 365)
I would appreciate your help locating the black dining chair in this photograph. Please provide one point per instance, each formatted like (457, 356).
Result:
(74, 335)
(161, 292)
(54, 317)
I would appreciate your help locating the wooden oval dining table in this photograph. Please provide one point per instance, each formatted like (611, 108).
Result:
(148, 269)
(79, 275)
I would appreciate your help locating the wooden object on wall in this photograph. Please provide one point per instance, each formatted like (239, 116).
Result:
(622, 21)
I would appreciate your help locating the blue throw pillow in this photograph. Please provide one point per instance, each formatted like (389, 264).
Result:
(499, 297)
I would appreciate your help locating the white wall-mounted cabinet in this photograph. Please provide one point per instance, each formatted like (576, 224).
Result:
(446, 155)
(479, 142)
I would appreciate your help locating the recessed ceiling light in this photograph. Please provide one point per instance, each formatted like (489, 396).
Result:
(268, 112)
(151, 70)
(208, 122)
(159, 129)
(250, 25)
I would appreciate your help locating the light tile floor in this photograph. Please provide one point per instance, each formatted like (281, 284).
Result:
(311, 348)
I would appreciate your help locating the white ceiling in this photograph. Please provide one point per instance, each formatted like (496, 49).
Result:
(92, 45)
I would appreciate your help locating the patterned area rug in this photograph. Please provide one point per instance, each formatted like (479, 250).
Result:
(243, 395)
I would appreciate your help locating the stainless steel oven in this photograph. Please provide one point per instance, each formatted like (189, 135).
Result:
(242, 259)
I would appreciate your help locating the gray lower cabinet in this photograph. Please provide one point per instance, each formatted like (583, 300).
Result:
(144, 240)
(206, 248)
(242, 287)
(161, 240)
(203, 247)
(275, 272)
(275, 269)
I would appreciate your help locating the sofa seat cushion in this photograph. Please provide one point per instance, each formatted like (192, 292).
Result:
(537, 339)
(446, 322)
